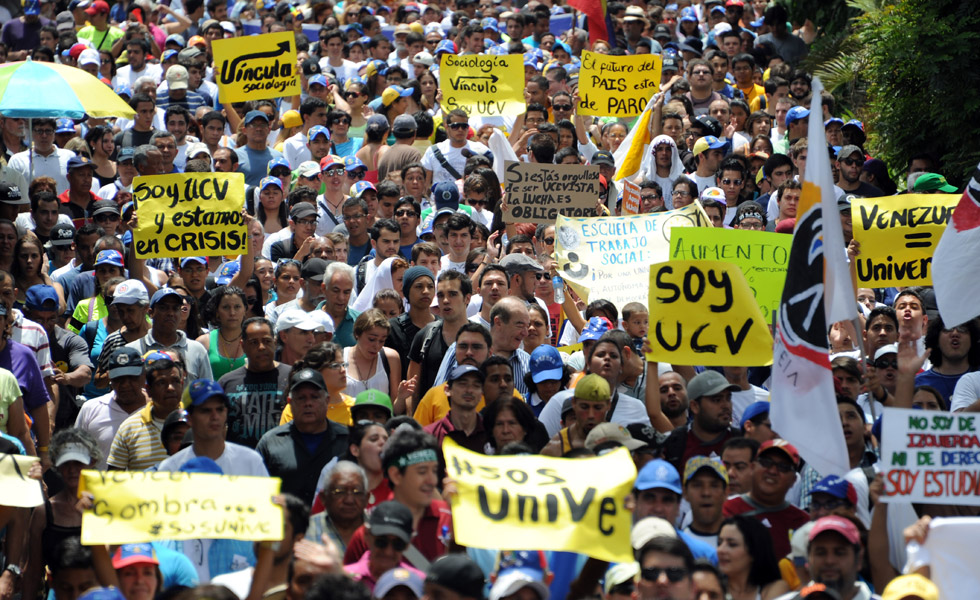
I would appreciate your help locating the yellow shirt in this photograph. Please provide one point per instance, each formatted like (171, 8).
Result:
(338, 413)
(753, 95)
(434, 405)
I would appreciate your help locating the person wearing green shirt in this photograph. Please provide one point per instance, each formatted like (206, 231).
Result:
(98, 31)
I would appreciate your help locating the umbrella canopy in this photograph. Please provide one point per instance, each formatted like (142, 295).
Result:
(34, 90)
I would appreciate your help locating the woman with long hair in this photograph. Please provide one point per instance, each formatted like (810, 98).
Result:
(328, 359)
(538, 329)
(746, 558)
(265, 272)
(511, 420)
(272, 211)
(253, 298)
(189, 320)
(758, 123)
(364, 445)
(108, 264)
(100, 142)
(353, 101)
(370, 363)
(28, 267)
(225, 313)
(431, 93)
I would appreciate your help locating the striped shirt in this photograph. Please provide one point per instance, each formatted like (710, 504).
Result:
(137, 445)
(33, 336)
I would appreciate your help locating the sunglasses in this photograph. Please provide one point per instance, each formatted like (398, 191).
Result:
(251, 300)
(106, 218)
(541, 276)
(336, 366)
(398, 544)
(562, 107)
(352, 95)
(674, 574)
(458, 125)
(473, 202)
(346, 121)
(356, 174)
(334, 172)
(852, 161)
(549, 241)
(886, 363)
(727, 181)
(405, 213)
(768, 463)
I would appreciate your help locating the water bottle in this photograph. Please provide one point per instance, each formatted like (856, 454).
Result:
(559, 285)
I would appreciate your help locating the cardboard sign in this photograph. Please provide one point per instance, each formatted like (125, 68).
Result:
(538, 193)
(898, 235)
(761, 255)
(146, 506)
(256, 67)
(617, 86)
(193, 214)
(631, 197)
(483, 84)
(542, 502)
(931, 457)
(16, 488)
(610, 257)
(702, 313)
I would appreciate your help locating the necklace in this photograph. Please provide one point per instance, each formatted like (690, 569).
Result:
(226, 340)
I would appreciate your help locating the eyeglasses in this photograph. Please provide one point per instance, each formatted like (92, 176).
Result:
(397, 543)
(458, 125)
(689, 133)
(356, 174)
(355, 217)
(680, 193)
(406, 213)
(886, 363)
(674, 574)
(337, 172)
(344, 120)
(336, 366)
(852, 161)
(727, 181)
(44, 132)
(337, 492)
(957, 329)
(562, 107)
(768, 463)
(307, 222)
(649, 198)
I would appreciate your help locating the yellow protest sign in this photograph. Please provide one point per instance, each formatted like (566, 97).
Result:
(702, 313)
(16, 488)
(609, 257)
(543, 503)
(617, 86)
(898, 235)
(483, 84)
(190, 214)
(256, 67)
(761, 255)
(146, 506)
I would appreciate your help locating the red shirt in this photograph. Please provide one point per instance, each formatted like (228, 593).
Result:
(429, 537)
(781, 522)
(79, 216)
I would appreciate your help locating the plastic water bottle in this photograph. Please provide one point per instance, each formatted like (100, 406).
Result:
(559, 284)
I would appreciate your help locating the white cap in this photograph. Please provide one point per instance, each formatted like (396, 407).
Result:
(423, 58)
(325, 320)
(197, 148)
(295, 317)
(73, 452)
(887, 349)
(510, 581)
(89, 57)
(130, 291)
(646, 529)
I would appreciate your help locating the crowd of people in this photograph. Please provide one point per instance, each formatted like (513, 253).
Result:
(385, 304)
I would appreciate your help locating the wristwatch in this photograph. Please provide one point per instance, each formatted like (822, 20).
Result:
(14, 569)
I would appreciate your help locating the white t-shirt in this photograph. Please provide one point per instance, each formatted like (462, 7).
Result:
(296, 151)
(966, 392)
(101, 417)
(704, 182)
(239, 582)
(454, 156)
(447, 265)
(344, 72)
(235, 460)
(742, 399)
(628, 410)
(128, 76)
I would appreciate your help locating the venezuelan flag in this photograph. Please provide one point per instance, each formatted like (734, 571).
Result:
(595, 12)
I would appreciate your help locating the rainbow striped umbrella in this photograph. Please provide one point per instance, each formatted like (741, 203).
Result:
(35, 90)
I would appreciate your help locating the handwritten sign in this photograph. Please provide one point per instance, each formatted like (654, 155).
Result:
(617, 86)
(762, 256)
(898, 235)
(538, 193)
(702, 313)
(631, 197)
(192, 214)
(483, 84)
(931, 457)
(541, 502)
(145, 506)
(16, 488)
(256, 67)
(610, 257)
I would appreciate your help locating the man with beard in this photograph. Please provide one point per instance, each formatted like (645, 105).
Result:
(710, 396)
(673, 398)
(472, 347)
(590, 403)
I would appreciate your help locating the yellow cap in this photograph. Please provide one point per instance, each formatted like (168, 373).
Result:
(291, 118)
(593, 388)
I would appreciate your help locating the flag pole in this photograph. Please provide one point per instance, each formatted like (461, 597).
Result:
(863, 363)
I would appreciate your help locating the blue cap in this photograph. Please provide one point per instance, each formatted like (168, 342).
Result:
(318, 130)
(317, 79)
(177, 39)
(491, 24)
(855, 123)
(277, 162)
(102, 593)
(168, 54)
(796, 113)
(426, 228)
(462, 371)
(202, 390)
(32, 7)
(399, 576)
(162, 293)
(255, 114)
(122, 89)
(837, 120)
(193, 259)
(64, 125)
(546, 364)
(754, 410)
(357, 190)
(594, 329)
(134, 554)
(837, 487)
(658, 474)
(530, 61)
(446, 46)
(78, 161)
(352, 162)
(758, 22)
(445, 194)
(201, 464)
(37, 295)
(109, 257)
(563, 46)
(227, 271)
(268, 182)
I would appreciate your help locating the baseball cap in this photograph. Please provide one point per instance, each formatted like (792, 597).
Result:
(749, 210)
(783, 446)
(278, 162)
(404, 124)
(197, 148)
(754, 410)
(707, 142)
(227, 271)
(837, 120)
(398, 577)
(710, 125)
(10, 194)
(604, 433)
(713, 193)
(65, 21)
(932, 182)
(32, 7)
(708, 383)
(845, 201)
(102, 593)
(270, 182)
(373, 398)
(193, 259)
(200, 391)
(109, 257)
(691, 44)
(189, 53)
(255, 114)
(462, 371)
(661, 31)
(446, 46)
(697, 463)
(660, 474)
(165, 293)
(848, 150)
(886, 349)
(796, 113)
(323, 319)
(330, 161)
(134, 554)
(818, 591)
(594, 329)
(912, 584)
(457, 572)
(593, 388)
(317, 79)
(125, 362)
(318, 130)
(296, 317)
(308, 376)
(62, 234)
(78, 161)
(126, 153)
(391, 518)
(838, 487)
(313, 268)
(648, 528)
(176, 38)
(37, 295)
(546, 364)
(524, 571)
(308, 169)
(836, 524)
(603, 157)
(394, 92)
(357, 190)
(302, 210)
(518, 263)
(423, 58)
(177, 77)
(100, 207)
(73, 452)
(854, 123)
(65, 125)
(291, 118)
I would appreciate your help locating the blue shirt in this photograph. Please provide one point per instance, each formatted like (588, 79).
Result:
(255, 164)
(944, 383)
